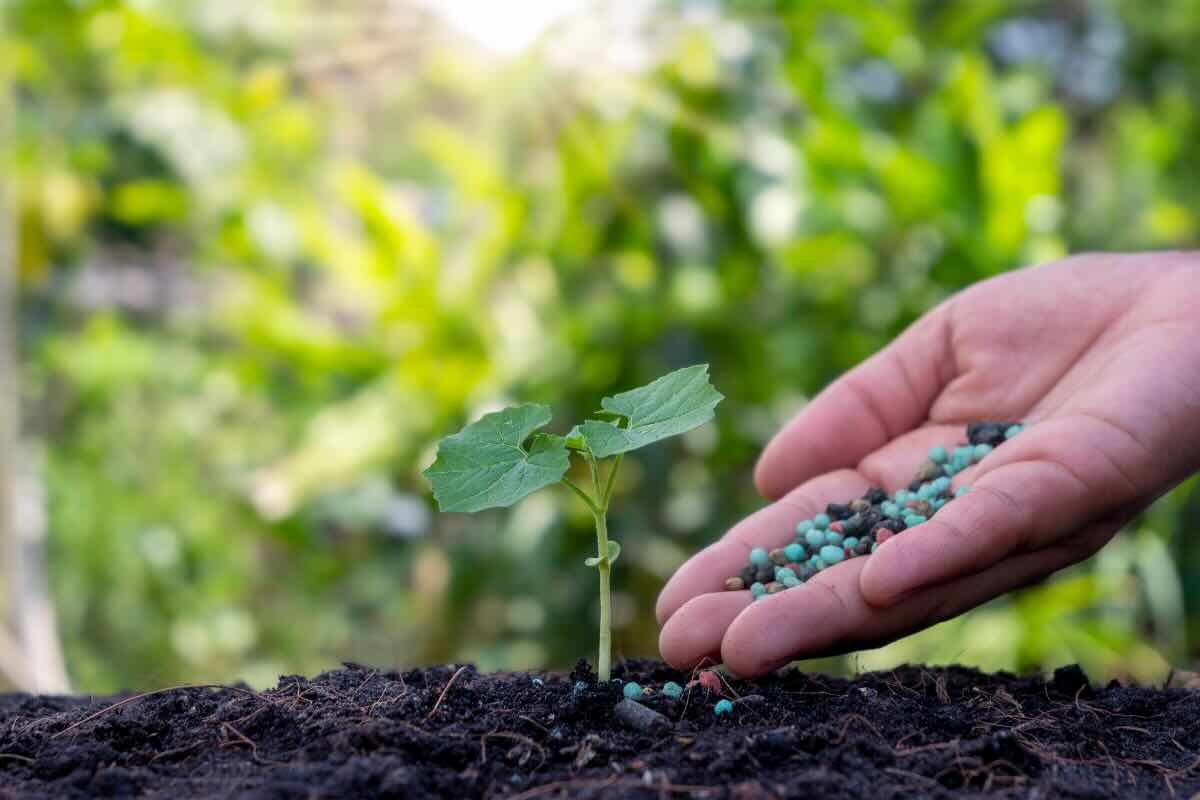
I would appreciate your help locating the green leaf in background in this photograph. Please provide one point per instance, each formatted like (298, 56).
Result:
(485, 464)
(614, 552)
(671, 405)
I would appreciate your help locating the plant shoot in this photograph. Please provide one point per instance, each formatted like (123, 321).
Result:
(503, 458)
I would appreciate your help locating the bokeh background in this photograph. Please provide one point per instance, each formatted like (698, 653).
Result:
(266, 254)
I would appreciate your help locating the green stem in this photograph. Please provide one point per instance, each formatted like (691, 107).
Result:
(591, 504)
(599, 508)
(612, 479)
(604, 659)
(591, 460)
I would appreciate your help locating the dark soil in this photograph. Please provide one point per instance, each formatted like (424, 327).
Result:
(443, 732)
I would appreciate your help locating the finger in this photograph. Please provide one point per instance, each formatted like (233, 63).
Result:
(885, 396)
(1034, 490)
(828, 616)
(894, 465)
(693, 633)
(769, 527)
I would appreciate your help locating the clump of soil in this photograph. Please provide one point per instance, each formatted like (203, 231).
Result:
(453, 732)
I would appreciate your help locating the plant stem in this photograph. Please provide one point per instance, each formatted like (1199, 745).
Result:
(599, 509)
(591, 504)
(612, 479)
(604, 659)
(591, 460)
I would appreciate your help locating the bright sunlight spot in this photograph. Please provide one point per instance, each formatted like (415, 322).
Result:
(506, 27)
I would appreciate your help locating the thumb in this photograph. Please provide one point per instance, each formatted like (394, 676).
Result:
(881, 399)
(1038, 489)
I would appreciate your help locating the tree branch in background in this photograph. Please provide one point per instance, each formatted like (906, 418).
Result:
(12, 662)
(30, 654)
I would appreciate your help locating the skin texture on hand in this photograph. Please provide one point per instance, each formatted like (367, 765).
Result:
(1099, 354)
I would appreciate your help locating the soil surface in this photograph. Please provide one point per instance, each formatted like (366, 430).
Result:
(449, 732)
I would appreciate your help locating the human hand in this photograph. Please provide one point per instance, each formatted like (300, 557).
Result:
(1098, 354)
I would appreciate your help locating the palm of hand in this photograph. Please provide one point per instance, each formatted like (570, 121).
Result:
(1100, 353)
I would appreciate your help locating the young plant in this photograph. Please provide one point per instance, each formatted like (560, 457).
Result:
(502, 458)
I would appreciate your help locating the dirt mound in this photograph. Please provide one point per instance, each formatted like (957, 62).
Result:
(452, 732)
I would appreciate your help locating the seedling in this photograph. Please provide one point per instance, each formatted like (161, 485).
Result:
(501, 459)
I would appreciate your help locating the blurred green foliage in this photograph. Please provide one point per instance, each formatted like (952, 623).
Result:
(271, 252)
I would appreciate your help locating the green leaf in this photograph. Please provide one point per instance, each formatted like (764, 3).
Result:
(671, 405)
(614, 551)
(574, 439)
(485, 465)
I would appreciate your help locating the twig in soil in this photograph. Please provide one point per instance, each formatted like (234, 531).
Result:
(242, 720)
(442, 696)
(989, 771)
(1125, 770)
(1087, 707)
(729, 686)
(686, 702)
(893, 683)
(1002, 694)
(129, 700)
(178, 751)
(1132, 728)
(920, 778)
(939, 685)
(1112, 764)
(510, 735)
(383, 699)
(366, 680)
(1167, 774)
(241, 738)
(908, 751)
(300, 696)
(1006, 721)
(16, 757)
(846, 727)
(533, 722)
